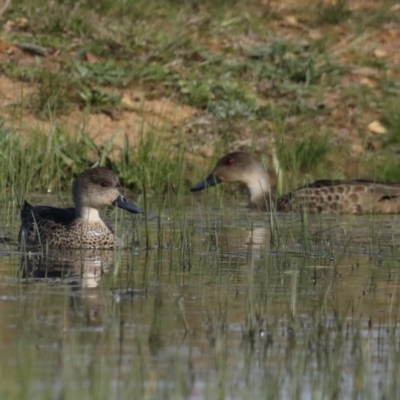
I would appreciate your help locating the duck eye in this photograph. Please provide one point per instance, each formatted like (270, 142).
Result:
(229, 161)
(104, 184)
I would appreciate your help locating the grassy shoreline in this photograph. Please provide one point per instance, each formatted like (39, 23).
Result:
(303, 81)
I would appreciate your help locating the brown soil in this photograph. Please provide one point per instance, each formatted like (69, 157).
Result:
(138, 117)
(141, 113)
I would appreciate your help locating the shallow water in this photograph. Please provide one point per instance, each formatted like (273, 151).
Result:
(207, 303)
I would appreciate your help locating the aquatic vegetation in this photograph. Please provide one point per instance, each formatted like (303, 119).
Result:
(217, 306)
(209, 301)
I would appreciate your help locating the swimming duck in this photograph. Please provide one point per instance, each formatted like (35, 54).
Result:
(82, 226)
(324, 196)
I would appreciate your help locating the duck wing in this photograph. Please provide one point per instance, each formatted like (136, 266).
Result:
(35, 214)
(36, 219)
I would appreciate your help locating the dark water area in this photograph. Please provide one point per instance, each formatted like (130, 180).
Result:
(206, 303)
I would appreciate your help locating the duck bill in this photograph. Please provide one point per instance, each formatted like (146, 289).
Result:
(125, 204)
(211, 180)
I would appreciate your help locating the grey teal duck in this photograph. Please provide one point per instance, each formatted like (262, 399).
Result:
(82, 226)
(323, 196)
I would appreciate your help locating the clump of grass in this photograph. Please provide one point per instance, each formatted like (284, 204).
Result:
(333, 12)
(51, 21)
(54, 159)
(102, 73)
(231, 108)
(224, 98)
(98, 99)
(388, 170)
(55, 95)
(196, 93)
(155, 163)
(377, 16)
(289, 66)
(392, 120)
(303, 155)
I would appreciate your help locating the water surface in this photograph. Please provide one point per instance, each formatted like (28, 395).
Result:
(207, 302)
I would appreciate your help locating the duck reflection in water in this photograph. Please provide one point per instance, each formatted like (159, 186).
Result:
(80, 269)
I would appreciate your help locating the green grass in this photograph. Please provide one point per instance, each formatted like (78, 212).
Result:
(333, 12)
(303, 155)
(249, 81)
(56, 159)
(388, 170)
(392, 120)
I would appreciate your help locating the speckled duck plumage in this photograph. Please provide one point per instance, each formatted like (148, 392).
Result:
(324, 196)
(82, 226)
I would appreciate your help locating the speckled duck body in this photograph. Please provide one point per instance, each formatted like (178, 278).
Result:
(324, 196)
(82, 226)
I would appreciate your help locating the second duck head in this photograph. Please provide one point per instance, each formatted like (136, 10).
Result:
(239, 167)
